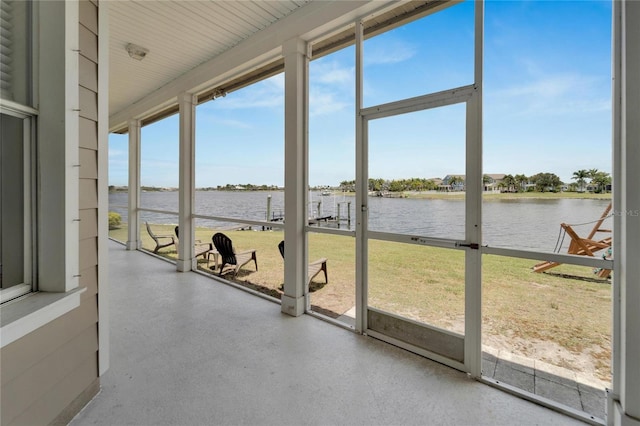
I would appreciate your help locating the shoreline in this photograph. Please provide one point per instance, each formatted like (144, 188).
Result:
(434, 195)
(511, 195)
(438, 195)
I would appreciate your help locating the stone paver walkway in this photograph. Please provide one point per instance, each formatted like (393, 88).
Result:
(537, 377)
(546, 380)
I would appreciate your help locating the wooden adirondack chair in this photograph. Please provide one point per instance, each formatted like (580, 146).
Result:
(314, 267)
(224, 246)
(200, 248)
(583, 246)
(161, 241)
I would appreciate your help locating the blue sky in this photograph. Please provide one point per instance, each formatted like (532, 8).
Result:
(547, 105)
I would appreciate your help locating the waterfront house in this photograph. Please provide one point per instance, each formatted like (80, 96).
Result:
(492, 181)
(73, 71)
(454, 182)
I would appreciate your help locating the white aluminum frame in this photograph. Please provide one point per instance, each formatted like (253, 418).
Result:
(133, 231)
(459, 95)
(27, 115)
(103, 189)
(362, 188)
(471, 96)
(624, 398)
(186, 260)
(296, 52)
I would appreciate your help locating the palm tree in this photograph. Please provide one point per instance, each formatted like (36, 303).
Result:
(580, 176)
(592, 173)
(509, 181)
(455, 181)
(521, 180)
(486, 180)
(601, 180)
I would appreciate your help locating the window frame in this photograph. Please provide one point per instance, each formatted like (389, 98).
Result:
(28, 115)
(55, 137)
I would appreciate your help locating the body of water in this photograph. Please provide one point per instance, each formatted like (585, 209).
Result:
(531, 224)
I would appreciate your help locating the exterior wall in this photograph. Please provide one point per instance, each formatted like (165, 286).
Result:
(51, 373)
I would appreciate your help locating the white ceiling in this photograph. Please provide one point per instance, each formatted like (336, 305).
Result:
(179, 35)
(195, 46)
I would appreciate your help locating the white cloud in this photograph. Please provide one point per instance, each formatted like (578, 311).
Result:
(321, 103)
(331, 72)
(276, 82)
(392, 52)
(331, 87)
(227, 122)
(257, 99)
(563, 93)
(267, 93)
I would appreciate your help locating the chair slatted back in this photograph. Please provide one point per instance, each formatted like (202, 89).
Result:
(281, 248)
(225, 248)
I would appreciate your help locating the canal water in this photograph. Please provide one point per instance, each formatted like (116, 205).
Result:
(530, 224)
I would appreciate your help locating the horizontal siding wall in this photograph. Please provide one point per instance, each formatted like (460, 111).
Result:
(48, 375)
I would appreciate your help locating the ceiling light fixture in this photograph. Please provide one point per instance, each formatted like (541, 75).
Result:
(136, 52)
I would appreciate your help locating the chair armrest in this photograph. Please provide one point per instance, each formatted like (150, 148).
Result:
(319, 261)
(246, 252)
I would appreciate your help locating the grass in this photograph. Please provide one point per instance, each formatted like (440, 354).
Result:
(568, 306)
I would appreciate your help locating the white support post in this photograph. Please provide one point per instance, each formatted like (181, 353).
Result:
(186, 261)
(625, 399)
(295, 178)
(103, 194)
(133, 239)
(361, 189)
(473, 205)
(616, 70)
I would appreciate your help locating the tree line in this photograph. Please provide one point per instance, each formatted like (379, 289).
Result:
(540, 182)
(593, 179)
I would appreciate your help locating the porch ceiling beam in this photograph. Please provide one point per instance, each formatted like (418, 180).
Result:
(311, 21)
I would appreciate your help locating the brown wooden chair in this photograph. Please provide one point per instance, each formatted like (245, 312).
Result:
(224, 246)
(160, 240)
(205, 250)
(314, 267)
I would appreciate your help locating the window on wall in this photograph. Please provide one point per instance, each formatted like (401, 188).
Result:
(39, 247)
(14, 194)
(15, 52)
(16, 117)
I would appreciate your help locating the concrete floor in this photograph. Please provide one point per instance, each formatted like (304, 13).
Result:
(187, 350)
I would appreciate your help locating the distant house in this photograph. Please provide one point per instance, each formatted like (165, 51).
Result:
(491, 182)
(436, 181)
(453, 183)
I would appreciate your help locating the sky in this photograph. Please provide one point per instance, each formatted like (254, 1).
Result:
(546, 104)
